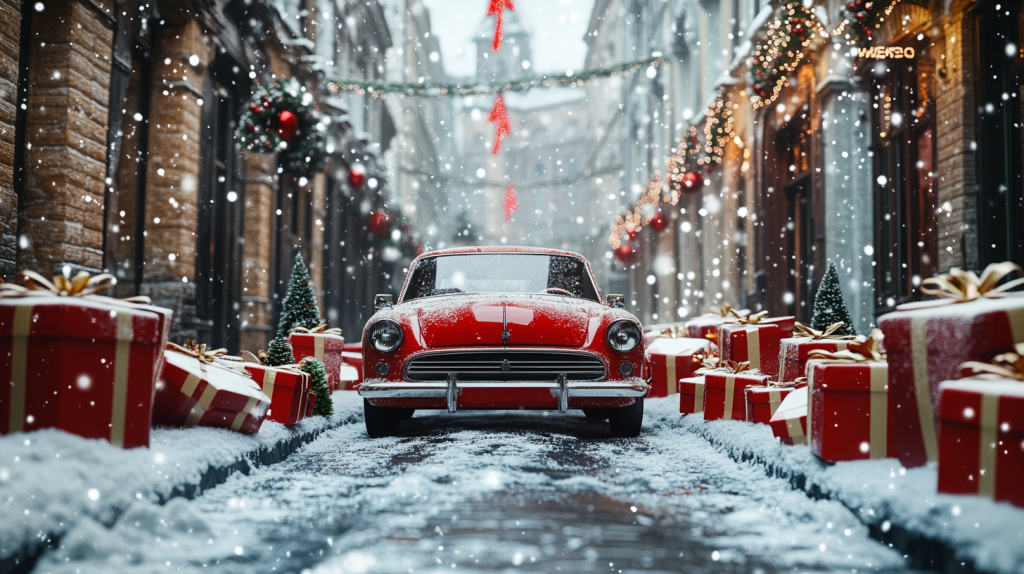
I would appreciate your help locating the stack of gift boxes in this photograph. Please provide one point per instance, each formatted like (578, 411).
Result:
(948, 389)
(102, 368)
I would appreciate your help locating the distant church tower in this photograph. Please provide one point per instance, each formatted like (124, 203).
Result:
(506, 64)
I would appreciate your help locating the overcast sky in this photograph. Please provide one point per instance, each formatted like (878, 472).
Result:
(558, 27)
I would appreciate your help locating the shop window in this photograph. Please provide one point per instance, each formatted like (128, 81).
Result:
(903, 150)
(795, 141)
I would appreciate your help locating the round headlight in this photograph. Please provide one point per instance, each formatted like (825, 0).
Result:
(386, 335)
(623, 335)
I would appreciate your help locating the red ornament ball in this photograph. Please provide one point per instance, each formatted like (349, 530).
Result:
(357, 177)
(631, 234)
(693, 182)
(658, 222)
(287, 125)
(378, 223)
(625, 253)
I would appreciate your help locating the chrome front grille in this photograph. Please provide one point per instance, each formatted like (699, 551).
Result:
(505, 365)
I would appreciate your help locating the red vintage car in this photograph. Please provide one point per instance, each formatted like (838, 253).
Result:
(492, 328)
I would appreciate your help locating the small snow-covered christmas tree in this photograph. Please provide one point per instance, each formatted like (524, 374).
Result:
(318, 384)
(279, 353)
(829, 306)
(299, 307)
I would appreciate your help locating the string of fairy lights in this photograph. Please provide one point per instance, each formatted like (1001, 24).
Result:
(529, 184)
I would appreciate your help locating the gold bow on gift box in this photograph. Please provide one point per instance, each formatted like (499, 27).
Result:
(81, 285)
(260, 358)
(320, 329)
(861, 350)
(707, 362)
(672, 332)
(959, 286)
(1003, 366)
(198, 351)
(805, 331)
(752, 319)
(729, 367)
(724, 311)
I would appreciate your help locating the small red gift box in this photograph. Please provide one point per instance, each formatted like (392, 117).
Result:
(324, 347)
(757, 343)
(981, 439)
(691, 395)
(723, 394)
(310, 403)
(83, 365)
(926, 346)
(793, 355)
(193, 392)
(762, 402)
(789, 423)
(287, 389)
(671, 360)
(849, 411)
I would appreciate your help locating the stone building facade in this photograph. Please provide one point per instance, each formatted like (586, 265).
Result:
(118, 155)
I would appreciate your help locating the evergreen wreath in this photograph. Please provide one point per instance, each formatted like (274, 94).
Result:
(861, 18)
(299, 308)
(684, 159)
(281, 119)
(829, 305)
(324, 406)
(780, 51)
(718, 130)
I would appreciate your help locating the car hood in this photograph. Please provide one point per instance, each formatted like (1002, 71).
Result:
(529, 320)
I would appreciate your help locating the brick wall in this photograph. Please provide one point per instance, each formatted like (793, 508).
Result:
(66, 134)
(260, 184)
(10, 38)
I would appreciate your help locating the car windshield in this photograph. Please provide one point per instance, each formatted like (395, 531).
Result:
(501, 273)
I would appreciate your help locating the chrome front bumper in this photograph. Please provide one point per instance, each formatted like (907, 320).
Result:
(562, 389)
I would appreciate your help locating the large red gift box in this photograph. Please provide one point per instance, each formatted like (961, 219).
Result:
(762, 402)
(756, 343)
(789, 423)
(691, 395)
(704, 326)
(83, 365)
(671, 360)
(925, 347)
(981, 439)
(193, 392)
(652, 332)
(287, 389)
(723, 394)
(324, 347)
(849, 411)
(793, 354)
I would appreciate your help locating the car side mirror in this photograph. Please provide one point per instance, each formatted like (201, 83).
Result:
(382, 300)
(615, 300)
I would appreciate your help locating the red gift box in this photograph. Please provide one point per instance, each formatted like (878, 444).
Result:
(324, 347)
(287, 389)
(83, 365)
(671, 360)
(723, 394)
(793, 354)
(925, 347)
(756, 343)
(849, 411)
(691, 395)
(981, 439)
(789, 423)
(652, 332)
(193, 392)
(762, 402)
(351, 371)
(310, 403)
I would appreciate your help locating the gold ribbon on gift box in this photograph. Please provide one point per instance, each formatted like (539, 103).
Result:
(829, 333)
(320, 329)
(723, 311)
(1008, 366)
(752, 319)
(85, 286)
(672, 332)
(727, 367)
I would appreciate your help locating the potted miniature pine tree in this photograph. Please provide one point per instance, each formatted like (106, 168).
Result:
(299, 308)
(279, 353)
(829, 306)
(318, 384)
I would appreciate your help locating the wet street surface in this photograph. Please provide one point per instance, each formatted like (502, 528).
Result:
(490, 492)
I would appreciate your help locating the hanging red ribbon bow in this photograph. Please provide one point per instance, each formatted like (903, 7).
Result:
(499, 115)
(511, 205)
(497, 8)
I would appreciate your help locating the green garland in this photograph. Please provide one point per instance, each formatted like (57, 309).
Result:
(381, 89)
(718, 129)
(689, 153)
(281, 119)
(780, 51)
(861, 18)
(457, 180)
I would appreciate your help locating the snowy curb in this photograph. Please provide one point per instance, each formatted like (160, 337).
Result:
(49, 479)
(901, 508)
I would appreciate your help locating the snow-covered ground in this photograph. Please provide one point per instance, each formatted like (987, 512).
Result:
(51, 481)
(489, 492)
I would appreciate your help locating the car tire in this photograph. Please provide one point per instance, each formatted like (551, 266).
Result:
(596, 415)
(625, 422)
(381, 421)
(406, 414)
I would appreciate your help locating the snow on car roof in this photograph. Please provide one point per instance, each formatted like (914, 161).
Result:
(499, 249)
